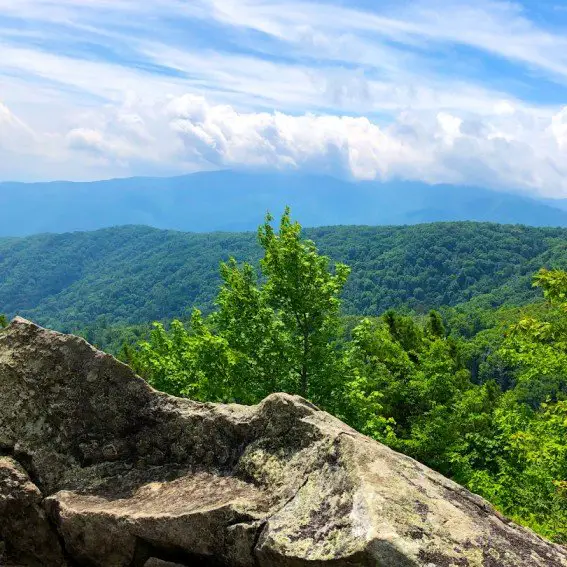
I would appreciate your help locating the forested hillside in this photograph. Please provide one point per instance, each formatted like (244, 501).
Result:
(133, 274)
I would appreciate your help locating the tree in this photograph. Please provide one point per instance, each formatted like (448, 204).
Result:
(274, 333)
(533, 416)
(405, 331)
(375, 368)
(435, 327)
(553, 284)
(251, 328)
(304, 291)
(537, 346)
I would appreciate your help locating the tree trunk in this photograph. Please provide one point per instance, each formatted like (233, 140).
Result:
(304, 379)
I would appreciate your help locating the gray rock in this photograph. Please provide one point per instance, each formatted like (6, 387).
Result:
(130, 476)
(153, 562)
(25, 531)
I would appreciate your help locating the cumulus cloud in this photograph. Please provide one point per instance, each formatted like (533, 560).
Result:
(513, 147)
(510, 148)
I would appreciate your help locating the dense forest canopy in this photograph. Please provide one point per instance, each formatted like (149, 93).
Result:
(133, 275)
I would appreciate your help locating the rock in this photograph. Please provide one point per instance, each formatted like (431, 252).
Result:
(153, 562)
(24, 527)
(132, 477)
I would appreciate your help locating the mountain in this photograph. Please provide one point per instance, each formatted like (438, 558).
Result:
(236, 201)
(136, 274)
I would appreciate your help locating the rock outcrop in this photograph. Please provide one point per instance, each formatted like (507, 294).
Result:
(98, 469)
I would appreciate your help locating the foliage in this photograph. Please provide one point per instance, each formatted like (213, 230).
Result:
(530, 422)
(131, 275)
(302, 290)
(504, 435)
(277, 335)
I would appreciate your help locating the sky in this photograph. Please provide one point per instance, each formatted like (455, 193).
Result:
(466, 92)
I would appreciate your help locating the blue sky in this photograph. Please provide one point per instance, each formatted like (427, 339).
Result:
(440, 91)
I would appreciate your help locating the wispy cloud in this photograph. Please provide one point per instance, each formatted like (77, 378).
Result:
(461, 91)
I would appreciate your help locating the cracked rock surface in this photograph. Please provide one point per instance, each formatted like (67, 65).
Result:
(98, 469)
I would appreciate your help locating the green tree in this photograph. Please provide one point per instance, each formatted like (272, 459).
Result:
(537, 346)
(435, 326)
(253, 330)
(413, 379)
(375, 368)
(532, 417)
(553, 284)
(278, 332)
(165, 359)
(305, 292)
(405, 331)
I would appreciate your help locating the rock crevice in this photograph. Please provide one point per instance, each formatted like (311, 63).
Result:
(99, 470)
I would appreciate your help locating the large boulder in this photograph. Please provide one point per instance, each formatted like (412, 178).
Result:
(105, 471)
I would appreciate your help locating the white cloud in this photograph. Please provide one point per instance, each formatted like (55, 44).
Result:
(516, 148)
(14, 133)
(558, 129)
(497, 27)
(299, 84)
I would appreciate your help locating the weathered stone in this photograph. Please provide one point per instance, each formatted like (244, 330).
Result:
(153, 562)
(25, 532)
(132, 477)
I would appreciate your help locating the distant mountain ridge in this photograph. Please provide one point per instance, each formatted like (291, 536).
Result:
(236, 201)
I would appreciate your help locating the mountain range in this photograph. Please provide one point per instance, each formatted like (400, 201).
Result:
(136, 274)
(237, 201)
